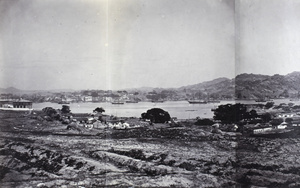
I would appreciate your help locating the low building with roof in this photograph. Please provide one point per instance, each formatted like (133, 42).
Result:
(15, 105)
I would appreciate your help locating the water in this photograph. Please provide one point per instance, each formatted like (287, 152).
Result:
(179, 109)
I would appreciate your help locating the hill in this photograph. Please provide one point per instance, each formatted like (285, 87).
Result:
(243, 86)
(248, 86)
(252, 86)
(217, 88)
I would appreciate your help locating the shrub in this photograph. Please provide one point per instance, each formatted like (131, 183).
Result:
(156, 115)
(204, 121)
(65, 109)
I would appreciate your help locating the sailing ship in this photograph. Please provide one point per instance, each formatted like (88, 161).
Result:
(117, 102)
(197, 101)
(63, 102)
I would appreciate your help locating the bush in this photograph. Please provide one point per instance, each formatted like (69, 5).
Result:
(276, 121)
(204, 121)
(156, 115)
(100, 110)
(269, 105)
(65, 109)
(51, 112)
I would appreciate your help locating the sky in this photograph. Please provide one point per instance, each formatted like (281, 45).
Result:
(115, 44)
(268, 39)
(119, 44)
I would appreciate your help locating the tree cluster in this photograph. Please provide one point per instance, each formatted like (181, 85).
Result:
(156, 115)
(98, 110)
(233, 113)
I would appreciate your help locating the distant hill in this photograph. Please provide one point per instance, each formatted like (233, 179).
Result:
(10, 90)
(13, 90)
(217, 88)
(252, 86)
(243, 86)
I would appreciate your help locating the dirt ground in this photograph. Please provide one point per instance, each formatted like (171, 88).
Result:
(35, 152)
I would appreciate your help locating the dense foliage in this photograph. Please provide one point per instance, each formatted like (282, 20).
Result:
(204, 121)
(98, 110)
(156, 115)
(51, 112)
(233, 113)
(65, 109)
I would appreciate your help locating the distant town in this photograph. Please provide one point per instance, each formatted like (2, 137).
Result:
(242, 87)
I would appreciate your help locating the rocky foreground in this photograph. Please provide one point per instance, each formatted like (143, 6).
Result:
(39, 153)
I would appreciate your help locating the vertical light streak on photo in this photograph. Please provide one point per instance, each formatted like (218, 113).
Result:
(107, 59)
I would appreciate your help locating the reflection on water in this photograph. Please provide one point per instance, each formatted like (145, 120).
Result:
(179, 109)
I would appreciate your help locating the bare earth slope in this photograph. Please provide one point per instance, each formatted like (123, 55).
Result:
(39, 153)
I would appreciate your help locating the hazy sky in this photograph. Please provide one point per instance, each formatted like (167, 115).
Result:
(114, 44)
(269, 41)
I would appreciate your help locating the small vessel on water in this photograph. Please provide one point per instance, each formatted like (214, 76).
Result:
(117, 102)
(197, 101)
(157, 101)
(260, 100)
(132, 101)
(63, 102)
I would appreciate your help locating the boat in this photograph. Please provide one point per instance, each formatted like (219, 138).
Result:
(117, 102)
(260, 100)
(157, 101)
(63, 102)
(197, 101)
(132, 101)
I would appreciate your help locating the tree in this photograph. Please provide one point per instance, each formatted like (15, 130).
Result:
(253, 114)
(100, 110)
(276, 121)
(51, 112)
(289, 120)
(266, 117)
(269, 105)
(94, 94)
(156, 115)
(231, 113)
(204, 121)
(65, 109)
